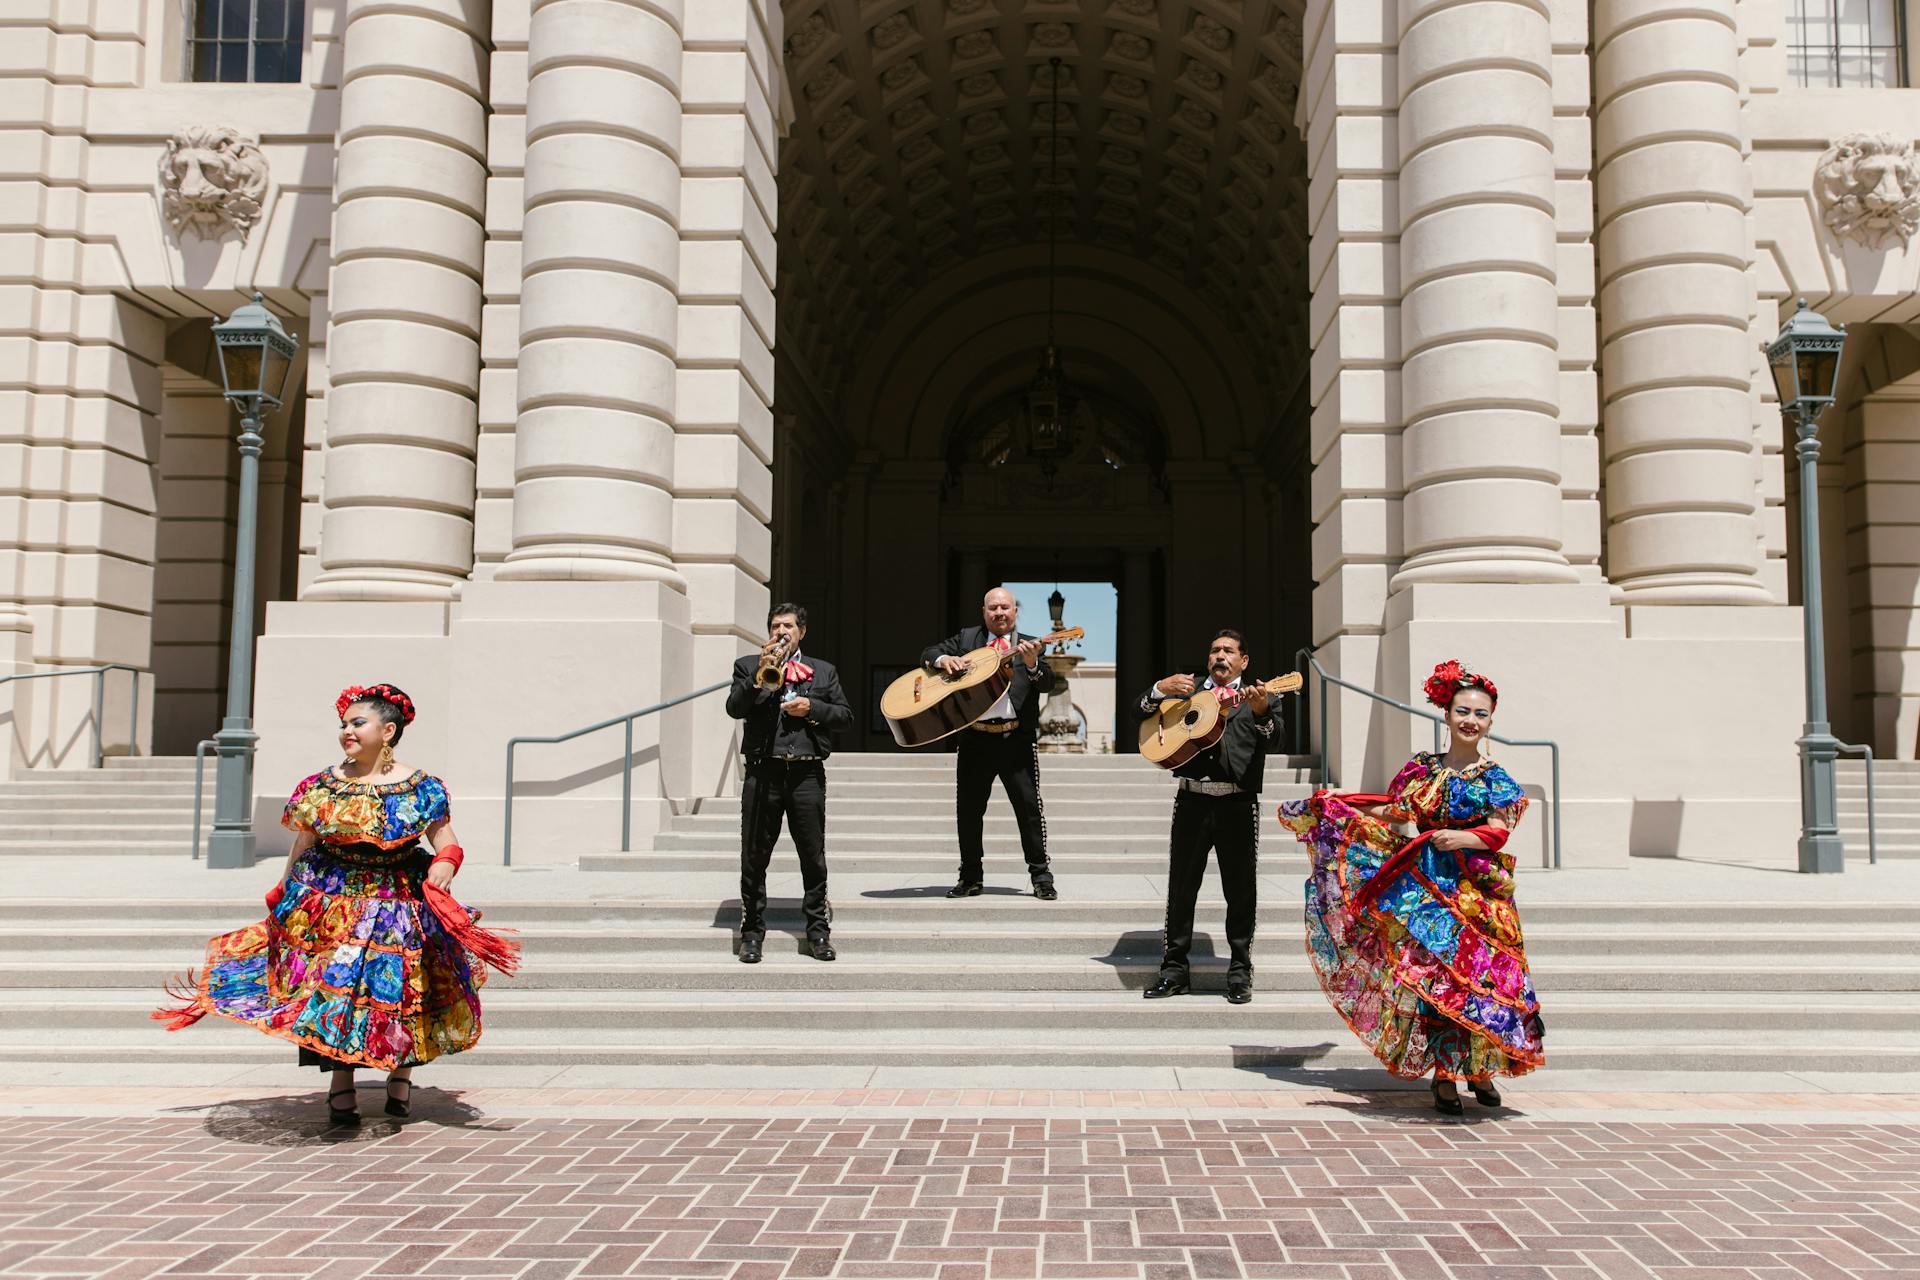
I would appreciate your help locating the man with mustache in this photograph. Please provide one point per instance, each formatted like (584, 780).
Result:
(1217, 808)
(1000, 745)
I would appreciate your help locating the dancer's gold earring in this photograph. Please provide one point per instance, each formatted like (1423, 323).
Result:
(386, 756)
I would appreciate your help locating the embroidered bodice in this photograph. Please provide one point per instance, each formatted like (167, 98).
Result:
(1431, 795)
(338, 811)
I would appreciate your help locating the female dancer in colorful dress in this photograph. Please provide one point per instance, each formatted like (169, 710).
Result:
(1416, 941)
(364, 958)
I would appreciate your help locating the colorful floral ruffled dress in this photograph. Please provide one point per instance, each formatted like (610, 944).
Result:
(1431, 974)
(351, 964)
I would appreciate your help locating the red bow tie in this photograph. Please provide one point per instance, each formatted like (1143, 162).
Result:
(795, 671)
(1227, 695)
(1003, 644)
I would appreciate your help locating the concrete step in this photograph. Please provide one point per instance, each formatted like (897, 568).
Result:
(181, 846)
(1063, 762)
(844, 805)
(1042, 941)
(789, 970)
(101, 827)
(25, 808)
(926, 907)
(918, 857)
(1329, 1047)
(755, 1016)
(94, 786)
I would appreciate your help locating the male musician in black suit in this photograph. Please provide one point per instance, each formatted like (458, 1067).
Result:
(1217, 807)
(787, 739)
(1000, 744)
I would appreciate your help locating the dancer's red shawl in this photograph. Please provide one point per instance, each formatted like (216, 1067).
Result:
(1406, 854)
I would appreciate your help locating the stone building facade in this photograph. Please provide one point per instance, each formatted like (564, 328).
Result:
(1397, 329)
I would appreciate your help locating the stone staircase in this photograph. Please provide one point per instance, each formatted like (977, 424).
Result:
(1896, 785)
(633, 976)
(132, 804)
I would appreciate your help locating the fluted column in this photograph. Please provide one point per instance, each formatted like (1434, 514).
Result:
(1673, 195)
(403, 352)
(594, 438)
(1479, 380)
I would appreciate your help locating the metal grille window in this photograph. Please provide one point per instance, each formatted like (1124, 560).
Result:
(246, 41)
(1845, 44)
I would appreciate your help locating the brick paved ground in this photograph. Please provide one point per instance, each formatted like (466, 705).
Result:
(1373, 1190)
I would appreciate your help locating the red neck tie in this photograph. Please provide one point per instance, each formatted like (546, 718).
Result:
(1002, 644)
(796, 671)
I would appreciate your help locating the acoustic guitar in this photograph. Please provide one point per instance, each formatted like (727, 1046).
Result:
(1184, 727)
(926, 706)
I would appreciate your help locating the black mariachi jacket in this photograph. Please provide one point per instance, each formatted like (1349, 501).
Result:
(1240, 757)
(769, 730)
(1024, 693)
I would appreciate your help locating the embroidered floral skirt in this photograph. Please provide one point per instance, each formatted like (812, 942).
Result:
(1433, 975)
(350, 965)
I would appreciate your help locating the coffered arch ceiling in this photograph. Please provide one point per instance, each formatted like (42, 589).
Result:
(920, 142)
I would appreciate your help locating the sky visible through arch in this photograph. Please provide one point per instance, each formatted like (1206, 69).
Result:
(1092, 605)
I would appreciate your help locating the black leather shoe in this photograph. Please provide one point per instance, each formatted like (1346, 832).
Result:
(967, 889)
(342, 1115)
(1239, 993)
(750, 944)
(1484, 1093)
(1045, 892)
(1445, 1105)
(821, 948)
(1167, 986)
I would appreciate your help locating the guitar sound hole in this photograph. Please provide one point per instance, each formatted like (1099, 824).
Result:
(1192, 718)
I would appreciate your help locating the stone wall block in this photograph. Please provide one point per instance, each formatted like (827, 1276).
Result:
(1672, 479)
(438, 545)
(399, 288)
(1462, 307)
(1451, 446)
(1673, 233)
(388, 412)
(1641, 56)
(388, 165)
(1665, 111)
(1678, 416)
(598, 303)
(599, 234)
(1498, 236)
(367, 350)
(631, 446)
(395, 226)
(1704, 170)
(640, 35)
(437, 479)
(445, 114)
(591, 371)
(1508, 99)
(1489, 169)
(399, 43)
(1466, 512)
(1683, 353)
(595, 511)
(1685, 551)
(1675, 293)
(603, 100)
(1490, 372)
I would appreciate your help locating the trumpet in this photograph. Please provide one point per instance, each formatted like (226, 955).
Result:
(772, 672)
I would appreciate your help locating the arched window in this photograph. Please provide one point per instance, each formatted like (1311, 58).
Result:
(1846, 44)
(245, 41)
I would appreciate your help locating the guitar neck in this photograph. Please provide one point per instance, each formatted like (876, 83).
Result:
(1283, 684)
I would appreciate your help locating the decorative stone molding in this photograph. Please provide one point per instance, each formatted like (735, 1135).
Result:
(212, 180)
(1868, 186)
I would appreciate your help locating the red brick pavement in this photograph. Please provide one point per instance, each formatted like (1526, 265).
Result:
(263, 1189)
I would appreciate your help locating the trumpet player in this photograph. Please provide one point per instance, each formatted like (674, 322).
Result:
(792, 706)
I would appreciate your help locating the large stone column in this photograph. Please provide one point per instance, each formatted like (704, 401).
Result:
(1479, 381)
(1673, 194)
(594, 440)
(403, 352)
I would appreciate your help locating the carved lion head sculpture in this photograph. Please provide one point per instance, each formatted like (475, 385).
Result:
(1868, 185)
(212, 178)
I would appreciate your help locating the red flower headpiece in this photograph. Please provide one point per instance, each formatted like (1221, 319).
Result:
(1450, 678)
(385, 692)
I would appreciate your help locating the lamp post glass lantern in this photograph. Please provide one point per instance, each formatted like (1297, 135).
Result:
(1805, 360)
(256, 357)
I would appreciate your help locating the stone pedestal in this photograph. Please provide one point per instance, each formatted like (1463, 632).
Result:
(16, 702)
(1059, 723)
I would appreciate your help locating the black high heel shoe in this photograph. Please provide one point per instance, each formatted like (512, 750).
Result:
(400, 1108)
(338, 1115)
(1444, 1105)
(1484, 1093)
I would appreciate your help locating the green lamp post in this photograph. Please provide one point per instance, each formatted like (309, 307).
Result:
(256, 356)
(1806, 367)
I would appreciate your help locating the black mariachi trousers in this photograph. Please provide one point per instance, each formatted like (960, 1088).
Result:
(796, 791)
(1011, 758)
(1230, 827)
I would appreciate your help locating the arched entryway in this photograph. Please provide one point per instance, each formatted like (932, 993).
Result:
(923, 196)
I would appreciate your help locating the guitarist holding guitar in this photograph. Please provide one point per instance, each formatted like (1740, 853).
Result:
(1000, 744)
(1217, 808)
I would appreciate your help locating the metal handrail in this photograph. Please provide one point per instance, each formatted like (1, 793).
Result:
(626, 765)
(99, 675)
(1304, 657)
(200, 787)
(1873, 825)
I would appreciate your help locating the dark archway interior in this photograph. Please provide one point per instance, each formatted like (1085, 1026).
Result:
(927, 183)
